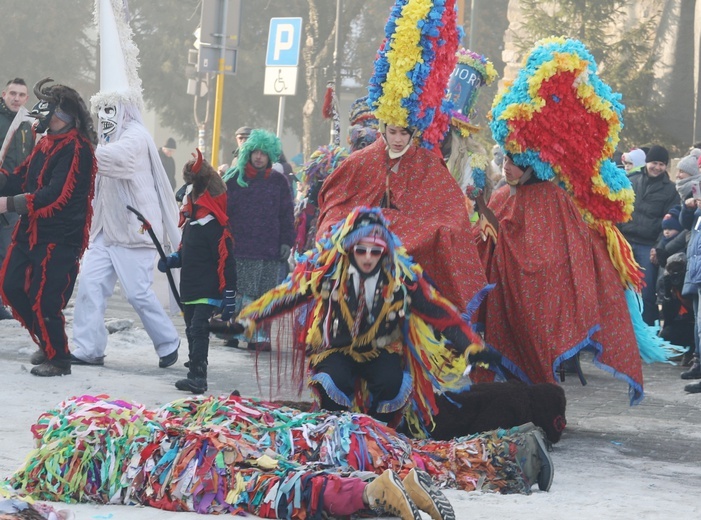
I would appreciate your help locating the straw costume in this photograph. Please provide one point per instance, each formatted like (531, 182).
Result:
(423, 203)
(565, 277)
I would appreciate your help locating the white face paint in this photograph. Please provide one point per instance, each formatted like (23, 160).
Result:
(109, 118)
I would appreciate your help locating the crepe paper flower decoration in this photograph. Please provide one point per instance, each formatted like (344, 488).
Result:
(321, 163)
(413, 65)
(560, 118)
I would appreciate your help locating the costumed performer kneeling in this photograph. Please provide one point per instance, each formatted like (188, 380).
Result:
(371, 331)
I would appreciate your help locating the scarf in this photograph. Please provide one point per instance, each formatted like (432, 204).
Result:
(252, 172)
(684, 186)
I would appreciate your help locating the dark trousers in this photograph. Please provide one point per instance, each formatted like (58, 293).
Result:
(37, 284)
(382, 374)
(197, 332)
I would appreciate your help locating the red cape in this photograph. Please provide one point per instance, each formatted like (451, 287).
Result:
(430, 218)
(556, 288)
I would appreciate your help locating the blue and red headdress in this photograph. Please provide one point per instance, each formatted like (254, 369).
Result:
(561, 119)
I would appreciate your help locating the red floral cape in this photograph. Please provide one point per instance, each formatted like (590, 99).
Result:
(430, 217)
(557, 291)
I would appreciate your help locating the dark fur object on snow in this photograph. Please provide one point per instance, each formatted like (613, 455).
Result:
(488, 406)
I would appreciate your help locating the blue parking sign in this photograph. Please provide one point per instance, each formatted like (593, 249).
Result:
(283, 42)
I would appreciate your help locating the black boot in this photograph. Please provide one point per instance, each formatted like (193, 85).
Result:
(695, 371)
(52, 368)
(694, 388)
(196, 381)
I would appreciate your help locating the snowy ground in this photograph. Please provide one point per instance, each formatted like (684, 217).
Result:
(613, 462)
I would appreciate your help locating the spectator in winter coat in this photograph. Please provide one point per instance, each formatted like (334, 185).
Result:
(655, 195)
(261, 219)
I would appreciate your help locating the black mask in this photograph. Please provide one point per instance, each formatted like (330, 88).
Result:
(43, 111)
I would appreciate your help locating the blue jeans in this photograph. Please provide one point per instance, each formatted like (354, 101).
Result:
(641, 253)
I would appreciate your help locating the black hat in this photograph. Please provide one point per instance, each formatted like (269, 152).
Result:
(657, 153)
(170, 143)
(244, 130)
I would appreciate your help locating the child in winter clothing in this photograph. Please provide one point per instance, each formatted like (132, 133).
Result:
(208, 271)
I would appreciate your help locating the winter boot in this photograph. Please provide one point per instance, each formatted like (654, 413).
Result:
(387, 494)
(533, 457)
(196, 381)
(426, 496)
(52, 367)
(695, 371)
(38, 357)
(694, 388)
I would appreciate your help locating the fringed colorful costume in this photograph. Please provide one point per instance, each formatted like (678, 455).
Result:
(313, 174)
(52, 191)
(208, 269)
(230, 455)
(395, 325)
(561, 267)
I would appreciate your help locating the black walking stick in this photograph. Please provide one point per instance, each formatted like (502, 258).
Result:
(147, 227)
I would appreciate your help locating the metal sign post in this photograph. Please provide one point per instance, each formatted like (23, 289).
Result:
(281, 61)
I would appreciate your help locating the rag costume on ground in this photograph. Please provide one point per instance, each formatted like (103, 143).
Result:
(224, 455)
(564, 274)
(52, 192)
(424, 204)
(400, 321)
(130, 173)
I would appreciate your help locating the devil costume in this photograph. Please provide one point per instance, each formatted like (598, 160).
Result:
(52, 191)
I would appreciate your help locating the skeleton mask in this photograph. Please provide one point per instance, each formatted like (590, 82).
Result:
(43, 111)
(109, 121)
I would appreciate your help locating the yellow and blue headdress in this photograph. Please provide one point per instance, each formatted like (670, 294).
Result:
(413, 66)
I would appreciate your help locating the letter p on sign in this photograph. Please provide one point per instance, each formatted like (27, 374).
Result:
(284, 42)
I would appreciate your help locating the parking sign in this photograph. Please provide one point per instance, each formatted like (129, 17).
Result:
(283, 42)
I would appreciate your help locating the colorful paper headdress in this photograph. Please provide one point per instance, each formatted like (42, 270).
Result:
(119, 78)
(561, 119)
(321, 163)
(413, 65)
(472, 72)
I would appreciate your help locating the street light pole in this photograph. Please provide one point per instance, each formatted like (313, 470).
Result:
(472, 22)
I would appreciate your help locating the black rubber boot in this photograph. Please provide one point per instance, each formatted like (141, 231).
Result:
(695, 371)
(196, 381)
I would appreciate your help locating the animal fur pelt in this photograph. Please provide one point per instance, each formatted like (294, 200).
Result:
(487, 406)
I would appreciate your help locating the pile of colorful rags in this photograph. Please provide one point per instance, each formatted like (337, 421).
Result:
(228, 454)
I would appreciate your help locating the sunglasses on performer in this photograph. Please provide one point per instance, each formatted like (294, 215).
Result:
(374, 251)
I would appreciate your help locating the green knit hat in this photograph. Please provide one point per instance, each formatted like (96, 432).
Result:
(259, 139)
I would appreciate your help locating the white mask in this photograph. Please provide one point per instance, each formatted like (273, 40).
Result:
(109, 117)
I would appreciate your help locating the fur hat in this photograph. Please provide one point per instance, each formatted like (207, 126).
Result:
(657, 153)
(69, 101)
(688, 164)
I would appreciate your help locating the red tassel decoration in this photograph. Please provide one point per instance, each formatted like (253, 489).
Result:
(327, 109)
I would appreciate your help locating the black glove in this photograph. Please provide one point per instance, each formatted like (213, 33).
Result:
(284, 252)
(171, 262)
(228, 306)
